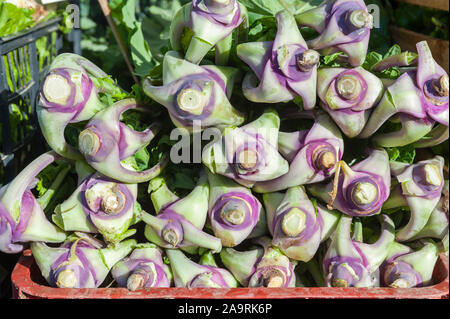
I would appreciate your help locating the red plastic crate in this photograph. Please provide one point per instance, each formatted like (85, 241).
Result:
(29, 284)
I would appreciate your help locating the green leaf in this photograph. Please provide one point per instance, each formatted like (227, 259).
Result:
(14, 19)
(404, 154)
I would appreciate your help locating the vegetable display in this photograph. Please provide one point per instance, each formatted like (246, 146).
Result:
(266, 146)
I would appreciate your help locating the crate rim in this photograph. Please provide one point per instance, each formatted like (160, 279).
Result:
(23, 285)
(25, 32)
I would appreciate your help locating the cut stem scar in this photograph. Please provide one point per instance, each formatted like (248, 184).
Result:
(57, 89)
(361, 19)
(191, 101)
(294, 222)
(348, 87)
(66, 279)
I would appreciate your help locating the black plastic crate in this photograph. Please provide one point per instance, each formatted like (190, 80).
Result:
(24, 59)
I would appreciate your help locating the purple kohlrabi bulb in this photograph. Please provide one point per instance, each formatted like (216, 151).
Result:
(285, 68)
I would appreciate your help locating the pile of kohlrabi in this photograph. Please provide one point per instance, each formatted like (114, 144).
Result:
(311, 161)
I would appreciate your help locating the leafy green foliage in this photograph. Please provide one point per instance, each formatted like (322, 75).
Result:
(404, 154)
(14, 19)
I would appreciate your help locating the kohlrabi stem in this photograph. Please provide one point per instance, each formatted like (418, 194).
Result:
(45, 199)
(400, 283)
(432, 175)
(361, 19)
(347, 171)
(248, 159)
(171, 235)
(233, 216)
(273, 279)
(191, 101)
(324, 159)
(364, 193)
(348, 87)
(56, 89)
(294, 222)
(307, 60)
(441, 85)
(135, 281)
(114, 201)
(66, 279)
(89, 142)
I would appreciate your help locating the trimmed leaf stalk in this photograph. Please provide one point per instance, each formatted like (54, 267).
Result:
(22, 218)
(189, 274)
(106, 142)
(180, 224)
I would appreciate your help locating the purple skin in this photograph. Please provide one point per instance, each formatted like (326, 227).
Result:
(143, 269)
(349, 263)
(420, 188)
(344, 25)
(313, 155)
(68, 95)
(285, 68)
(106, 142)
(419, 99)
(22, 218)
(233, 210)
(78, 263)
(212, 23)
(360, 190)
(195, 94)
(348, 95)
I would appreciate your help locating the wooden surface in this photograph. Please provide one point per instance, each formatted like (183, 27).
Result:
(407, 40)
(435, 4)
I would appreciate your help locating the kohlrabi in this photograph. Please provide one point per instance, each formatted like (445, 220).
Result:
(79, 262)
(144, 268)
(179, 224)
(189, 274)
(233, 210)
(419, 188)
(406, 268)
(296, 224)
(348, 95)
(106, 142)
(248, 154)
(206, 24)
(285, 68)
(68, 95)
(343, 25)
(359, 190)
(313, 154)
(352, 263)
(261, 266)
(196, 94)
(418, 100)
(100, 205)
(22, 218)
